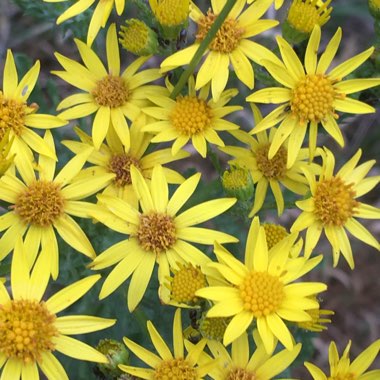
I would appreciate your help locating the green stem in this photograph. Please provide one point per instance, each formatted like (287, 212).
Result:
(202, 48)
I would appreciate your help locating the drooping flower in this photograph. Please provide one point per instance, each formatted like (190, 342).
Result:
(17, 117)
(157, 233)
(30, 329)
(114, 157)
(190, 117)
(112, 96)
(312, 95)
(44, 202)
(262, 290)
(342, 368)
(333, 206)
(231, 45)
(272, 172)
(319, 317)
(99, 17)
(167, 365)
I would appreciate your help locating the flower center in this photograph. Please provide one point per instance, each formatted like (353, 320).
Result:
(120, 164)
(213, 328)
(156, 232)
(236, 178)
(240, 374)
(26, 330)
(190, 115)
(312, 98)
(274, 233)
(343, 376)
(111, 91)
(274, 168)
(185, 282)
(41, 203)
(305, 14)
(334, 201)
(172, 12)
(228, 36)
(134, 36)
(262, 293)
(175, 369)
(12, 115)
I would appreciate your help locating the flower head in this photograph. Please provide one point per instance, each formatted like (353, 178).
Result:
(261, 289)
(167, 365)
(99, 17)
(115, 158)
(17, 116)
(41, 203)
(231, 45)
(333, 206)
(112, 96)
(312, 95)
(342, 368)
(157, 233)
(30, 328)
(191, 117)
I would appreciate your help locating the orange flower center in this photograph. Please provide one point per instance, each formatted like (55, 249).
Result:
(175, 369)
(334, 201)
(185, 282)
(312, 98)
(190, 115)
(12, 115)
(111, 91)
(274, 168)
(41, 203)
(226, 39)
(156, 232)
(26, 330)
(240, 374)
(120, 164)
(262, 293)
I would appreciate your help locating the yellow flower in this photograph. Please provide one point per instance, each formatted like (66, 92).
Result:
(261, 289)
(30, 329)
(342, 368)
(190, 117)
(16, 116)
(167, 365)
(272, 172)
(40, 204)
(116, 158)
(6, 159)
(310, 97)
(277, 3)
(303, 15)
(157, 233)
(333, 207)
(239, 365)
(110, 95)
(170, 13)
(318, 319)
(99, 16)
(231, 45)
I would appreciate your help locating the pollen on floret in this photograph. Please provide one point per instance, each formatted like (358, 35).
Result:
(177, 368)
(26, 330)
(274, 233)
(228, 36)
(120, 164)
(303, 15)
(261, 293)
(156, 232)
(111, 91)
(240, 374)
(272, 168)
(187, 279)
(12, 115)
(334, 201)
(190, 115)
(41, 203)
(313, 97)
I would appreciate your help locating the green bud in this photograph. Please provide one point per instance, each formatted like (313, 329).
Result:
(374, 8)
(237, 182)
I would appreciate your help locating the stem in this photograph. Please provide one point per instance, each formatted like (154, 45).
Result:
(202, 48)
